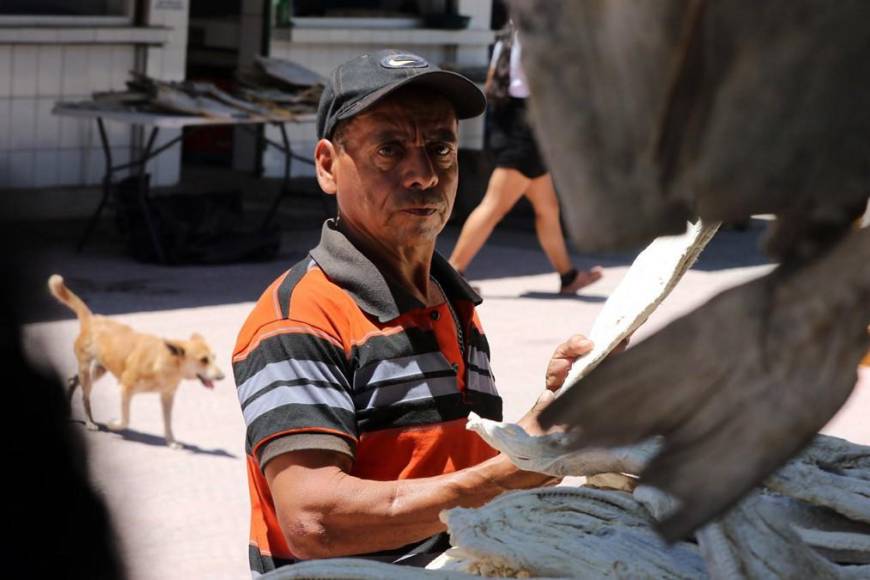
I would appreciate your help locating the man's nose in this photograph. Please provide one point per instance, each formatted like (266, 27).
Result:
(419, 171)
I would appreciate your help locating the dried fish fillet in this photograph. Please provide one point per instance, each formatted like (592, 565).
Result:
(202, 89)
(288, 72)
(649, 280)
(550, 454)
(182, 102)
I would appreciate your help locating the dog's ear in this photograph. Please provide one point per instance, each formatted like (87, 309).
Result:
(174, 348)
(196, 336)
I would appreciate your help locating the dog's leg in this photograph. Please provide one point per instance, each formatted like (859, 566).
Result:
(166, 400)
(85, 379)
(72, 384)
(87, 384)
(126, 396)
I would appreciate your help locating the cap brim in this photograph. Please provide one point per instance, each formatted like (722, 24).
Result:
(468, 101)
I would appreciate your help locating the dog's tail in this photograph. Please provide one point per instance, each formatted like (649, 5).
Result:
(65, 295)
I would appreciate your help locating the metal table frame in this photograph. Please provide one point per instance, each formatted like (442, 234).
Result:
(156, 122)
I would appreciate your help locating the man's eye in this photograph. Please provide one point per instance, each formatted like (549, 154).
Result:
(442, 149)
(389, 150)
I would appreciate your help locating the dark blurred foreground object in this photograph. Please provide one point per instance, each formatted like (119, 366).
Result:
(653, 113)
(657, 112)
(58, 526)
(204, 228)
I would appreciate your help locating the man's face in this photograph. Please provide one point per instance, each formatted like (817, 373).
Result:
(396, 168)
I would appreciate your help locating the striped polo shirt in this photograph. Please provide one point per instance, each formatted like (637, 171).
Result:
(336, 356)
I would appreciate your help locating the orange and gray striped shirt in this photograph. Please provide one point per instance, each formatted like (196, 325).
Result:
(335, 356)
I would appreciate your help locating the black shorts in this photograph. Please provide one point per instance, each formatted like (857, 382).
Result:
(510, 140)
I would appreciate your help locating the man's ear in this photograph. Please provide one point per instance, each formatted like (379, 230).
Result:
(325, 154)
(174, 348)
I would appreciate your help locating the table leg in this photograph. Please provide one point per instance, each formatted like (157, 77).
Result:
(142, 191)
(285, 182)
(107, 187)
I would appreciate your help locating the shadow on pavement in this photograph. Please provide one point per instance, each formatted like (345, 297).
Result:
(156, 440)
(159, 441)
(111, 282)
(538, 295)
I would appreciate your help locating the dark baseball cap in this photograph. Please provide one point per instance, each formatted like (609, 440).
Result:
(359, 83)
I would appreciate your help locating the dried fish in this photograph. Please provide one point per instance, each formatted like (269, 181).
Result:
(649, 280)
(146, 94)
(567, 532)
(288, 72)
(553, 454)
(755, 540)
(831, 472)
(182, 102)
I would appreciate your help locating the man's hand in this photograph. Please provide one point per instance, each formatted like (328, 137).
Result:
(563, 358)
(529, 421)
(568, 352)
(565, 355)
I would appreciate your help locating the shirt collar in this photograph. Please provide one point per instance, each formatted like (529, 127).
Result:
(345, 265)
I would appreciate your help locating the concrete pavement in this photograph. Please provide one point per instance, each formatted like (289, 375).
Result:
(184, 514)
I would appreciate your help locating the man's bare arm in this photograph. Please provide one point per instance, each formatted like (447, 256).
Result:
(325, 512)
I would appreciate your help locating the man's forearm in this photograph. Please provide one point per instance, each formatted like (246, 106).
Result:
(325, 512)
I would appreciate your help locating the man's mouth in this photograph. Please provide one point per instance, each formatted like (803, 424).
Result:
(421, 211)
(207, 383)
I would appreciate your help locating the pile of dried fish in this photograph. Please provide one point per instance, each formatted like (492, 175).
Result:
(812, 519)
(566, 532)
(192, 98)
(282, 87)
(274, 89)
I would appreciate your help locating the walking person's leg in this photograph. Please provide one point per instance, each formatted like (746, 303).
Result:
(542, 196)
(505, 188)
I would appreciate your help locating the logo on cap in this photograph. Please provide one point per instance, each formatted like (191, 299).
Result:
(403, 61)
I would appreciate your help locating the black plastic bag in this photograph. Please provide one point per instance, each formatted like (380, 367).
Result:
(191, 229)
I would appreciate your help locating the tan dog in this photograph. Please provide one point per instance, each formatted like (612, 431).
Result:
(140, 362)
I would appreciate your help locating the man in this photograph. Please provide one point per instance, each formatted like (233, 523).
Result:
(357, 368)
